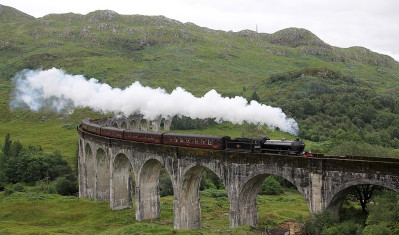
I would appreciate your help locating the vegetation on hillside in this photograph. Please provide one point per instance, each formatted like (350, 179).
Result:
(345, 101)
(30, 166)
(383, 218)
(336, 95)
(329, 105)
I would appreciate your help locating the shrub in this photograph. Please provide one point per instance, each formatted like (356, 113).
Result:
(165, 184)
(383, 214)
(271, 186)
(344, 228)
(8, 190)
(215, 193)
(18, 187)
(206, 183)
(320, 222)
(66, 187)
(3, 180)
(44, 186)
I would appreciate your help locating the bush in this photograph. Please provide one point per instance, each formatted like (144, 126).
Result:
(206, 183)
(210, 180)
(66, 187)
(186, 123)
(3, 180)
(44, 186)
(215, 193)
(271, 186)
(18, 187)
(28, 165)
(382, 228)
(345, 228)
(165, 184)
(383, 214)
(320, 222)
(8, 191)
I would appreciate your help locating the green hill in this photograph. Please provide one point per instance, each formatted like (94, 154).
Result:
(335, 94)
(345, 101)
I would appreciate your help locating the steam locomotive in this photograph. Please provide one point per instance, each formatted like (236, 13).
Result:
(257, 144)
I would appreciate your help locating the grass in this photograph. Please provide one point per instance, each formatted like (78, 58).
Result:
(38, 213)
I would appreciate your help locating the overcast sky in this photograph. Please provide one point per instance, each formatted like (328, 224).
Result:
(373, 24)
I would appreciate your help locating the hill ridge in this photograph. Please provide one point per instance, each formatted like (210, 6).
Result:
(12, 14)
(299, 38)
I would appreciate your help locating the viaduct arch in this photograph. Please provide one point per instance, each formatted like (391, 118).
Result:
(321, 180)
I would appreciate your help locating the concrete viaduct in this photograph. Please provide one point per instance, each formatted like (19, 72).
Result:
(105, 166)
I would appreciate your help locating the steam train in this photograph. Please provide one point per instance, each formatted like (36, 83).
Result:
(257, 144)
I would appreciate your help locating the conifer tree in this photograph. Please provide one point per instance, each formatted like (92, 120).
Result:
(7, 145)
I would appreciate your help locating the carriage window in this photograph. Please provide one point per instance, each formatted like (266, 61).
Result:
(176, 139)
(187, 140)
(209, 142)
(202, 141)
(196, 140)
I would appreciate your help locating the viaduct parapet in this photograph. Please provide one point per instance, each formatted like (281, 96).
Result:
(138, 122)
(105, 166)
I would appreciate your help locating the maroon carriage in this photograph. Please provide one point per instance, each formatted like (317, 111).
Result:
(88, 126)
(143, 136)
(195, 141)
(112, 132)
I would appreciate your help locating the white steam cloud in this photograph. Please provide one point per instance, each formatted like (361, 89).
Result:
(53, 88)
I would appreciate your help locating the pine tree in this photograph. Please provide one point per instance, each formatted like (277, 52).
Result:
(255, 96)
(7, 145)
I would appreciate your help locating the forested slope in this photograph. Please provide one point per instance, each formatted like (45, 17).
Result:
(335, 94)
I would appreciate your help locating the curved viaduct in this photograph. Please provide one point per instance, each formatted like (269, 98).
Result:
(105, 166)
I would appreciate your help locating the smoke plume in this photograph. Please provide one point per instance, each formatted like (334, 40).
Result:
(53, 88)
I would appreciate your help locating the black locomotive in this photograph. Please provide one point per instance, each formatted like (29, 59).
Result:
(265, 145)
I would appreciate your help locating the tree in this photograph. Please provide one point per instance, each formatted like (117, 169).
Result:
(16, 148)
(165, 183)
(7, 145)
(30, 164)
(271, 186)
(344, 228)
(395, 133)
(364, 194)
(66, 187)
(320, 222)
(255, 96)
(3, 180)
(383, 215)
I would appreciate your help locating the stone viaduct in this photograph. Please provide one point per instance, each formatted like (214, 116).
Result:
(105, 167)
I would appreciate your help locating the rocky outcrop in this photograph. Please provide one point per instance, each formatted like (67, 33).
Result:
(99, 16)
(294, 37)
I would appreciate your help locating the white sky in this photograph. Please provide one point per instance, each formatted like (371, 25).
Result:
(373, 24)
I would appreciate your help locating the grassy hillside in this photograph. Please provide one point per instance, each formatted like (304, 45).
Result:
(333, 93)
(344, 99)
